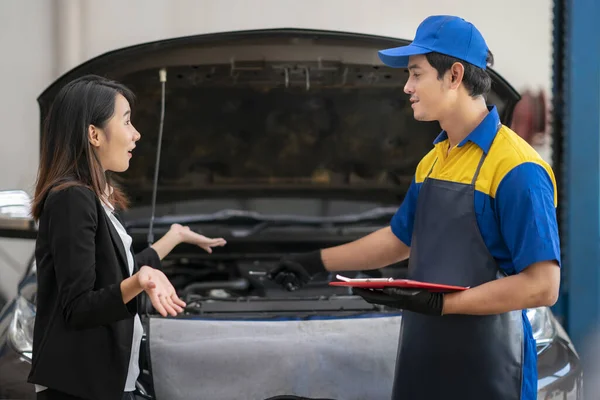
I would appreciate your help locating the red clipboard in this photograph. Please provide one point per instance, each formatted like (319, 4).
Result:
(381, 283)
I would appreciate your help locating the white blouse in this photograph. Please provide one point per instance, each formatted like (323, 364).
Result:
(138, 329)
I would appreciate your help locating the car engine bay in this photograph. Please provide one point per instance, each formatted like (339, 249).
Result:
(225, 284)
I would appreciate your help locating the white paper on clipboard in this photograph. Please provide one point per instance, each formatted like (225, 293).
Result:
(345, 279)
(381, 283)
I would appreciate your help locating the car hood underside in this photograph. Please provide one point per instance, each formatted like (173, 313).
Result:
(281, 109)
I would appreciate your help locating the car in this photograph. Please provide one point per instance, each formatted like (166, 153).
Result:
(280, 141)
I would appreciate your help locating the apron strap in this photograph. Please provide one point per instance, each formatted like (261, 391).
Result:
(431, 170)
(500, 272)
(481, 160)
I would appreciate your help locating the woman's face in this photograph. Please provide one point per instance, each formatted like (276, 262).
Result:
(115, 142)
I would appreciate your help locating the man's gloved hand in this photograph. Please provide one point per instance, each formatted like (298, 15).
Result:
(420, 301)
(294, 271)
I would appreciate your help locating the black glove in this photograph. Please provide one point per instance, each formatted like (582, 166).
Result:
(296, 270)
(420, 301)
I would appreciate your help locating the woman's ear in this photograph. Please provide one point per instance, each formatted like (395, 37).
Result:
(94, 136)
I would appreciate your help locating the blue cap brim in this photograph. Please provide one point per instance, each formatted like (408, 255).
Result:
(397, 57)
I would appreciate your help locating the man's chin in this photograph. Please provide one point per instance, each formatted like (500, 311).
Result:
(421, 117)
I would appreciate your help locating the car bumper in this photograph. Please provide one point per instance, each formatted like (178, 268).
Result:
(560, 372)
(14, 370)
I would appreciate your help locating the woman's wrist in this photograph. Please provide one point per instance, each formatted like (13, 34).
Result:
(130, 288)
(167, 243)
(175, 235)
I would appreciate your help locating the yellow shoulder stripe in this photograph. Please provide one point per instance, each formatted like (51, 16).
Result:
(507, 152)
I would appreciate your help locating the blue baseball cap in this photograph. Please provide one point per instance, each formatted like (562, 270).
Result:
(445, 34)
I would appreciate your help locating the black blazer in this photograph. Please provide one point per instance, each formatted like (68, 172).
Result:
(83, 332)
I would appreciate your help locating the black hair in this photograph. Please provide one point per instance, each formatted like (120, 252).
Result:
(67, 158)
(476, 80)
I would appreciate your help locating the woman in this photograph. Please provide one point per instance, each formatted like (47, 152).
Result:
(87, 330)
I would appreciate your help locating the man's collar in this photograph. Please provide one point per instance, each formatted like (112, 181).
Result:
(483, 135)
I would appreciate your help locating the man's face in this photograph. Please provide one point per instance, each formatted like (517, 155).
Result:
(430, 98)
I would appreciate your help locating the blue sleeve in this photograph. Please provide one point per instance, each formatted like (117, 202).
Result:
(403, 221)
(526, 213)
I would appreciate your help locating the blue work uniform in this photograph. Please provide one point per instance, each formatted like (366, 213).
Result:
(485, 210)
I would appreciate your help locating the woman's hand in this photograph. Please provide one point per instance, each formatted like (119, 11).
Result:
(178, 234)
(186, 235)
(160, 291)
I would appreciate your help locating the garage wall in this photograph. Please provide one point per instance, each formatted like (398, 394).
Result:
(41, 39)
(520, 40)
(27, 55)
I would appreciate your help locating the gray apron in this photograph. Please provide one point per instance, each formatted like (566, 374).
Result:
(455, 356)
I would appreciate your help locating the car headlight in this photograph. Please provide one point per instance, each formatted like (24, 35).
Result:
(20, 332)
(542, 325)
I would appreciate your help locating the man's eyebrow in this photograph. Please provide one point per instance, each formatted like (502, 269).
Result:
(413, 66)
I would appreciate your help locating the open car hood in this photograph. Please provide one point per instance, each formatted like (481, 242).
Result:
(269, 112)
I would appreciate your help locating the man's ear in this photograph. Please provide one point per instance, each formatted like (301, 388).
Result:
(94, 136)
(457, 73)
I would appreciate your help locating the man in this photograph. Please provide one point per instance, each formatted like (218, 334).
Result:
(480, 212)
